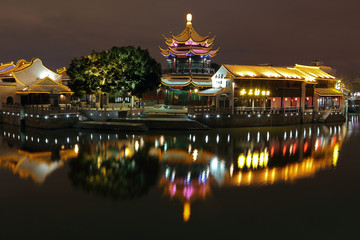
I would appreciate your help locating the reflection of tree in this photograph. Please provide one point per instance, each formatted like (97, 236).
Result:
(115, 175)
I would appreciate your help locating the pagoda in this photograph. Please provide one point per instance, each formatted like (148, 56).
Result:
(188, 55)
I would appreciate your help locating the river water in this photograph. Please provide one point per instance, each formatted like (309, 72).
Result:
(293, 182)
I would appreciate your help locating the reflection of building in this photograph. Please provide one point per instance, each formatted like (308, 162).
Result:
(190, 165)
(188, 55)
(35, 165)
(31, 155)
(305, 155)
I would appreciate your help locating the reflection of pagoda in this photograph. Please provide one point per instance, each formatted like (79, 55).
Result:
(188, 55)
(186, 176)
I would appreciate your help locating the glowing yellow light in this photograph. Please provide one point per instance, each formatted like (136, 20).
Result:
(261, 162)
(99, 161)
(266, 175)
(196, 90)
(248, 160)
(241, 160)
(257, 92)
(189, 18)
(195, 154)
(127, 152)
(76, 149)
(286, 173)
(255, 160)
(273, 175)
(243, 92)
(239, 178)
(266, 159)
(335, 154)
(136, 145)
(263, 93)
(249, 177)
(250, 92)
(162, 140)
(187, 212)
(267, 93)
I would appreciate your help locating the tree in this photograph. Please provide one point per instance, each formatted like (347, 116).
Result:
(120, 70)
(116, 175)
(215, 66)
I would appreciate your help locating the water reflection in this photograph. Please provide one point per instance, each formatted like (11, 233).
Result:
(29, 155)
(113, 167)
(185, 166)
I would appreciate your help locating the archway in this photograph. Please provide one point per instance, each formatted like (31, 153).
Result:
(9, 101)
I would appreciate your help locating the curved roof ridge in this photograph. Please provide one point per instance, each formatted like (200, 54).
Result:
(187, 34)
(35, 71)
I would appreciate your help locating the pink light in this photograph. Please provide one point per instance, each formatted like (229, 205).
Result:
(188, 192)
(172, 190)
(191, 43)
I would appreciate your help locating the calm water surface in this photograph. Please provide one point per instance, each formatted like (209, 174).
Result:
(298, 182)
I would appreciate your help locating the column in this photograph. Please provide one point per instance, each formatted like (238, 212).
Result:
(303, 95)
(232, 97)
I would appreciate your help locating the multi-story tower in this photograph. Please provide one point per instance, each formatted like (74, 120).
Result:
(188, 55)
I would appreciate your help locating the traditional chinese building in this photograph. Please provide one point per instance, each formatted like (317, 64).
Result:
(189, 56)
(33, 95)
(31, 83)
(273, 92)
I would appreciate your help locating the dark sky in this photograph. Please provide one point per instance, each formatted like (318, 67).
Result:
(281, 32)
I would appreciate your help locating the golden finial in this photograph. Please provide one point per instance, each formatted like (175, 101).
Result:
(188, 18)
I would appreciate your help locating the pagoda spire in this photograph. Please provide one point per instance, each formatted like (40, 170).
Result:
(188, 19)
(189, 43)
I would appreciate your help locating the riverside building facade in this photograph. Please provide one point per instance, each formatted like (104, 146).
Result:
(33, 95)
(244, 95)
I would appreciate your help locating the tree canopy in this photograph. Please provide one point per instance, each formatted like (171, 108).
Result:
(102, 168)
(120, 70)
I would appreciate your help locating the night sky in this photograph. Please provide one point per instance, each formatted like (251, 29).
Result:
(249, 32)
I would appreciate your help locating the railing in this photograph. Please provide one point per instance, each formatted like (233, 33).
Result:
(186, 71)
(206, 110)
(45, 109)
(211, 110)
(261, 110)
